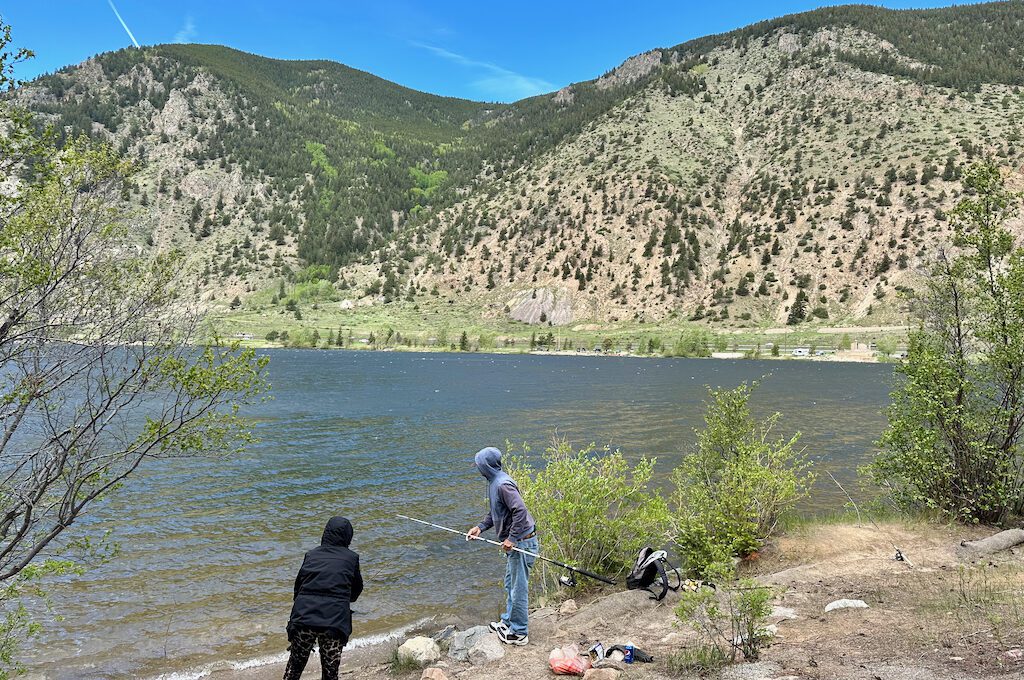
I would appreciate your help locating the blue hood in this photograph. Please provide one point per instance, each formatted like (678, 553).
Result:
(488, 462)
(506, 512)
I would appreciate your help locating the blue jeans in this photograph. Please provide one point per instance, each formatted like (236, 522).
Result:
(517, 590)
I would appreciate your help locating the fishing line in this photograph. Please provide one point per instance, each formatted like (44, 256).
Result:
(565, 580)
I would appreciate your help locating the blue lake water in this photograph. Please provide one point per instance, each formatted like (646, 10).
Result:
(210, 547)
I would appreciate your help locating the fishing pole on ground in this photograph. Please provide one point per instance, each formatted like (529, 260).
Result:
(900, 557)
(566, 580)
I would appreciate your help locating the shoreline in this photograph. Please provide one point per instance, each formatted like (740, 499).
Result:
(361, 651)
(896, 635)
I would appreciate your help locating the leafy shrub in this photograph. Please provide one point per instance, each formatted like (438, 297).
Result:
(693, 342)
(954, 441)
(729, 621)
(732, 491)
(592, 509)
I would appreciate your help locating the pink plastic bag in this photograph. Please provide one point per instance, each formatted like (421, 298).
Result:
(568, 661)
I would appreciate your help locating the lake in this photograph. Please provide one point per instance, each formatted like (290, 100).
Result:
(209, 548)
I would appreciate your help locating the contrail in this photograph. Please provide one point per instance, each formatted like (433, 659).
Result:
(127, 30)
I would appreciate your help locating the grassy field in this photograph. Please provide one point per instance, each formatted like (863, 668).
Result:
(433, 323)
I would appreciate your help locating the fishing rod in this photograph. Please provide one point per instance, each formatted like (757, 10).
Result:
(565, 580)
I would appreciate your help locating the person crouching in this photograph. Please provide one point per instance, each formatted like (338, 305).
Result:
(327, 583)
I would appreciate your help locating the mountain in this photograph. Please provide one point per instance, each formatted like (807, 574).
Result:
(799, 168)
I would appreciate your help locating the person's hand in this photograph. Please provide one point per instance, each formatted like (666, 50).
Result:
(507, 545)
(472, 533)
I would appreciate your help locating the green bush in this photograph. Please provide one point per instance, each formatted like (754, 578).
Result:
(592, 510)
(730, 494)
(955, 441)
(693, 342)
(729, 621)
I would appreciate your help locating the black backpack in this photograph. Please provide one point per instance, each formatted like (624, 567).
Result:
(652, 565)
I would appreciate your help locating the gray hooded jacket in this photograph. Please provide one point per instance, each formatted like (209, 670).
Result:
(508, 514)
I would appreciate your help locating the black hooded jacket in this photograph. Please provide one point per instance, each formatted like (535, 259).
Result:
(328, 581)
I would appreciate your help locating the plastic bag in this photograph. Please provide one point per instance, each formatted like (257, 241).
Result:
(567, 660)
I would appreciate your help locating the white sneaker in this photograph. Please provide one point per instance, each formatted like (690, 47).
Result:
(498, 626)
(510, 638)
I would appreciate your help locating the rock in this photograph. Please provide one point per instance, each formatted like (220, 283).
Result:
(1014, 654)
(433, 674)
(446, 633)
(781, 613)
(634, 68)
(846, 604)
(463, 641)
(789, 43)
(568, 607)
(610, 663)
(771, 630)
(420, 649)
(487, 649)
(602, 674)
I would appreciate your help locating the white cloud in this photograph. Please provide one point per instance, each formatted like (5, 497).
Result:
(187, 32)
(500, 82)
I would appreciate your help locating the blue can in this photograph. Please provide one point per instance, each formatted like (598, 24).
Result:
(628, 655)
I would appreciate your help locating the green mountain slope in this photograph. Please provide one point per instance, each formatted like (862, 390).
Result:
(804, 161)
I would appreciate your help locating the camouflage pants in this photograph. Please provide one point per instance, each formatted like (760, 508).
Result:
(302, 641)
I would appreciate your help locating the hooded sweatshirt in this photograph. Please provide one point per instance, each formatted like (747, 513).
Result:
(328, 581)
(508, 514)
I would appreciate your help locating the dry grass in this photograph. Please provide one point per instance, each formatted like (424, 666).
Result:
(932, 612)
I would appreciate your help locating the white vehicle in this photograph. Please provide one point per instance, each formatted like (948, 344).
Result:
(801, 352)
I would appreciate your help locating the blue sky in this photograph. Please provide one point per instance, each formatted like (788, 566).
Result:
(494, 51)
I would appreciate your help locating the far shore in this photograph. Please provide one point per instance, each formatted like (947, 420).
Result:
(842, 356)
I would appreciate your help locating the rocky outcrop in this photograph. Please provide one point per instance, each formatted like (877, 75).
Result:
(542, 306)
(630, 70)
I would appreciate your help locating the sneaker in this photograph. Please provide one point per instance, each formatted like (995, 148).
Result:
(510, 638)
(498, 626)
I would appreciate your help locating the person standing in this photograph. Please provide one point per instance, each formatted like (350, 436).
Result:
(515, 528)
(327, 583)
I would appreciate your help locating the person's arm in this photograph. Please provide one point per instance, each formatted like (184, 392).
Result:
(357, 583)
(520, 517)
(299, 578)
(487, 522)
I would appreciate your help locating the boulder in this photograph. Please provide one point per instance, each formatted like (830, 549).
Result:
(420, 649)
(433, 674)
(487, 649)
(446, 633)
(782, 613)
(846, 604)
(602, 674)
(568, 607)
(464, 640)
